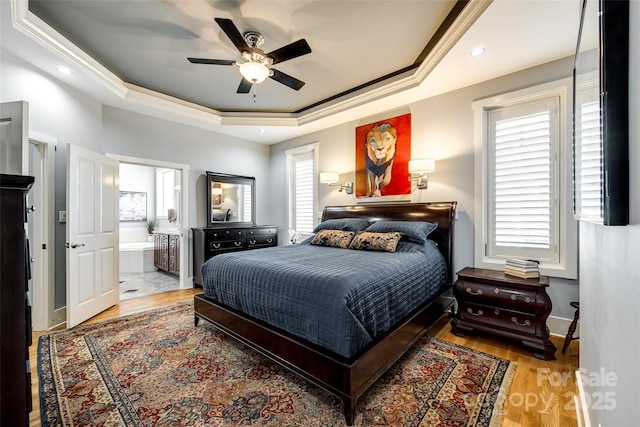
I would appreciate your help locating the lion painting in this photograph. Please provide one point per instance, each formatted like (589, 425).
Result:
(380, 151)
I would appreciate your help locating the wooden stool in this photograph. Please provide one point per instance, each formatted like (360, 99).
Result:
(572, 327)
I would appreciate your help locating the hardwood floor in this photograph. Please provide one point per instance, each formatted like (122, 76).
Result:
(541, 393)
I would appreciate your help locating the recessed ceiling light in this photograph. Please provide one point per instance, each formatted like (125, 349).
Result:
(262, 131)
(477, 51)
(65, 70)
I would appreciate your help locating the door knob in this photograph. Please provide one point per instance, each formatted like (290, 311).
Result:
(74, 245)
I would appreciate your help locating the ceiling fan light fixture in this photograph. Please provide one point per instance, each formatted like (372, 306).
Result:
(254, 72)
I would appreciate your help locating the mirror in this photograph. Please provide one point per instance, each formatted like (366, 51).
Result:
(230, 199)
(600, 114)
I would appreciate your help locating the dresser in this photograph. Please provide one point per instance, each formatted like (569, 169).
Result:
(166, 252)
(505, 305)
(211, 241)
(15, 310)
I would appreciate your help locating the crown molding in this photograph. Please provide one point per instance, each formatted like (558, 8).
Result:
(39, 31)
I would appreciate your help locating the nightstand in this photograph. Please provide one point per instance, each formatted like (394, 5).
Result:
(505, 305)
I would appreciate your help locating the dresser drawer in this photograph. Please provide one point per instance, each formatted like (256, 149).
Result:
(500, 295)
(261, 241)
(226, 234)
(227, 244)
(501, 317)
(262, 231)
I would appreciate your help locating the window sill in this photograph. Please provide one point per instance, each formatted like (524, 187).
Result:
(547, 269)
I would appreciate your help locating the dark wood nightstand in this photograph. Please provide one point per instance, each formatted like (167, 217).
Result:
(494, 302)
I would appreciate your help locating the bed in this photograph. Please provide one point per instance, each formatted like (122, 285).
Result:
(346, 339)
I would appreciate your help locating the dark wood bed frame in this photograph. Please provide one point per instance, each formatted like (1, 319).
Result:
(342, 377)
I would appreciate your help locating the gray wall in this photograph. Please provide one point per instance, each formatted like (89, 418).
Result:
(442, 128)
(136, 135)
(610, 287)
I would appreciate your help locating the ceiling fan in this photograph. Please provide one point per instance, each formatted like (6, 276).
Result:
(255, 65)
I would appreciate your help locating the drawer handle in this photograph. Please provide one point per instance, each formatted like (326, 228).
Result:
(253, 242)
(515, 320)
(479, 313)
(269, 240)
(472, 292)
(514, 297)
(496, 291)
(216, 245)
(237, 244)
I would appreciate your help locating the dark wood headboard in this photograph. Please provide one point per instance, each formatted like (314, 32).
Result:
(441, 212)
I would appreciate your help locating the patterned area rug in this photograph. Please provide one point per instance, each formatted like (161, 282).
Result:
(157, 369)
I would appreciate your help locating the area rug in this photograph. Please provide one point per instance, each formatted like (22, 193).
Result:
(157, 369)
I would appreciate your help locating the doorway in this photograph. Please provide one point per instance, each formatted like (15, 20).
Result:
(46, 312)
(151, 222)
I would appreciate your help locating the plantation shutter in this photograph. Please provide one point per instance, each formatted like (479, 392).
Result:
(588, 173)
(303, 192)
(523, 180)
(246, 203)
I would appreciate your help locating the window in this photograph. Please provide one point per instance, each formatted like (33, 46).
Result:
(589, 173)
(523, 175)
(245, 209)
(165, 191)
(302, 188)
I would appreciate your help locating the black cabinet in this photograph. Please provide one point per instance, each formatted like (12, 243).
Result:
(209, 242)
(15, 310)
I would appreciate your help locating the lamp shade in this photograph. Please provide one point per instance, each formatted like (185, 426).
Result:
(329, 177)
(422, 165)
(254, 72)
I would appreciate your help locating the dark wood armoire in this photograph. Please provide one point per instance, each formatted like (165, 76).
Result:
(15, 309)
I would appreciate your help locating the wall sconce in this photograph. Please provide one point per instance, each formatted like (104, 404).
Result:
(421, 167)
(333, 179)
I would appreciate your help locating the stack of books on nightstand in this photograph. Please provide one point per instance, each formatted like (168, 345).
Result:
(525, 269)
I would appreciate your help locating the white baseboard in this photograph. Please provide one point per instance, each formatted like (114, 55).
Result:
(559, 326)
(582, 408)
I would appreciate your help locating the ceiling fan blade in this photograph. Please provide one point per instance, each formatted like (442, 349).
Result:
(233, 33)
(286, 80)
(290, 51)
(245, 86)
(211, 61)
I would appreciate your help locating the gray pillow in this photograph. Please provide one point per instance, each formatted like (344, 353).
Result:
(344, 224)
(414, 231)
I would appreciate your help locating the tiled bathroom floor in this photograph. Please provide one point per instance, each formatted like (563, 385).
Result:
(134, 285)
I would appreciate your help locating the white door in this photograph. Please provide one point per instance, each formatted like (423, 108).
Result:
(92, 234)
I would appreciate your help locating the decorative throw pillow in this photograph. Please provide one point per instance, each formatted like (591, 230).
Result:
(346, 224)
(333, 238)
(414, 231)
(376, 241)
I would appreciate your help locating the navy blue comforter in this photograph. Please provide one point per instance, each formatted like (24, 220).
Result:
(339, 299)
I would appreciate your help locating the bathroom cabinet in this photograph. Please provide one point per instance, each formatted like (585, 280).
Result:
(166, 254)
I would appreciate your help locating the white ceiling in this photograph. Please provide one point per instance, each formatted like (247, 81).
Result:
(132, 54)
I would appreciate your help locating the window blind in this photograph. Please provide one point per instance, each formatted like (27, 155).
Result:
(304, 190)
(523, 182)
(247, 209)
(589, 163)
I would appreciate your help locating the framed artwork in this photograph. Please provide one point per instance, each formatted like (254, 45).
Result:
(133, 206)
(383, 150)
